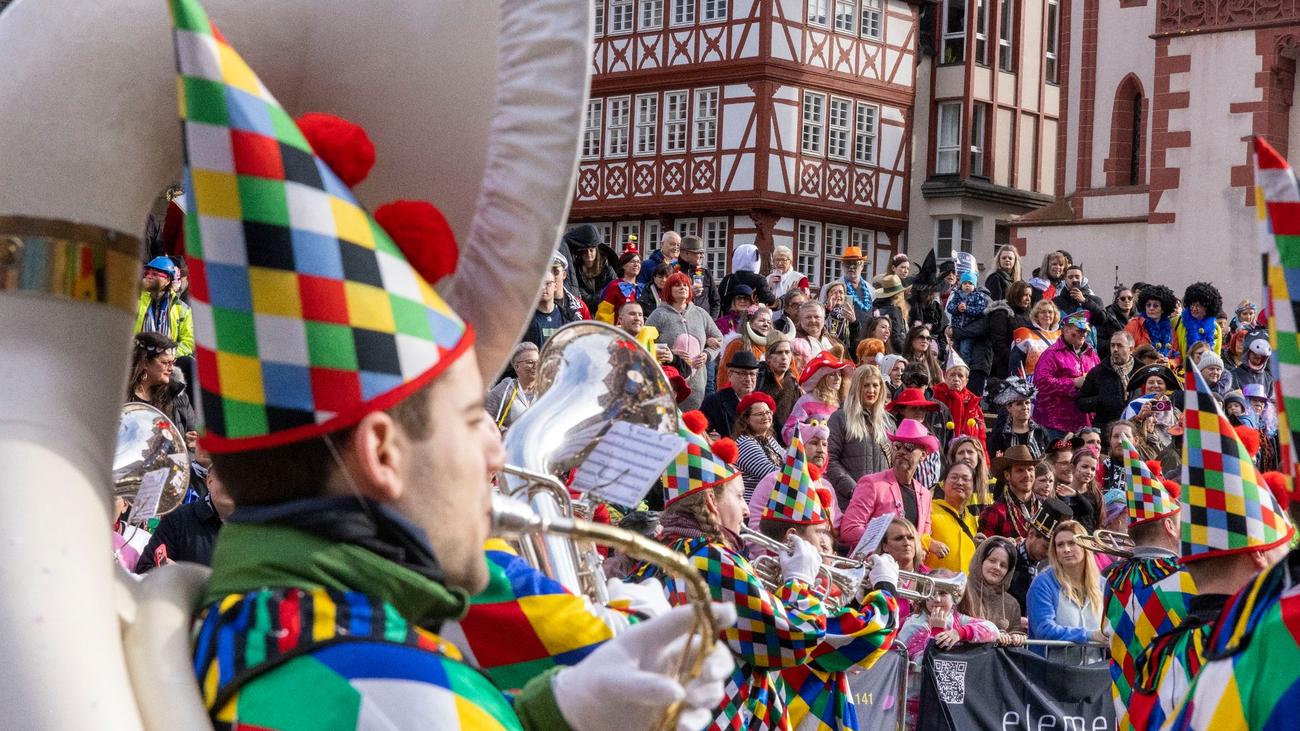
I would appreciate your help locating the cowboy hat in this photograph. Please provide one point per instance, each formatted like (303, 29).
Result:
(912, 397)
(890, 285)
(911, 431)
(1018, 454)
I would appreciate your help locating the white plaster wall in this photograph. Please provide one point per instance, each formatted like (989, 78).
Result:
(1121, 33)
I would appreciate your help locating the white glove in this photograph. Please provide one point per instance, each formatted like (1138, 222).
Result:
(801, 563)
(883, 568)
(647, 598)
(623, 684)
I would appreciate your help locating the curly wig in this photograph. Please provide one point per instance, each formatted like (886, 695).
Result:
(1158, 292)
(1205, 294)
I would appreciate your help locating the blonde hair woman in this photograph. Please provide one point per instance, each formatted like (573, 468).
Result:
(859, 442)
(1004, 270)
(1051, 274)
(1028, 343)
(1065, 601)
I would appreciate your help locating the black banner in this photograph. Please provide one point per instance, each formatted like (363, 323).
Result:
(985, 687)
(878, 691)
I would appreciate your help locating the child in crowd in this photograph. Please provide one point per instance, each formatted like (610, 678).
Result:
(967, 415)
(965, 306)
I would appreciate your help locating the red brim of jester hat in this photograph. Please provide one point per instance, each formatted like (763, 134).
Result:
(308, 314)
(794, 497)
(1227, 507)
(694, 469)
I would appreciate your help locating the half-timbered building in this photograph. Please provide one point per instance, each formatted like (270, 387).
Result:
(752, 121)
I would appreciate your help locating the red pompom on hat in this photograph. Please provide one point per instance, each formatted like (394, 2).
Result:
(726, 450)
(343, 145)
(1172, 487)
(696, 421)
(1276, 482)
(424, 236)
(1249, 437)
(1157, 469)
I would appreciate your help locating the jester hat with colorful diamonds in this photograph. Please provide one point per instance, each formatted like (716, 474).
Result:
(794, 497)
(307, 315)
(1148, 500)
(1227, 508)
(695, 468)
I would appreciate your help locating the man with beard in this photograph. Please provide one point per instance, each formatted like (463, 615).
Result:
(1104, 393)
(161, 309)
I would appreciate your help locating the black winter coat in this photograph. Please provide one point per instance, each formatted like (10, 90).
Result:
(1103, 393)
(189, 534)
(897, 328)
(1114, 322)
(762, 293)
(1002, 321)
(997, 284)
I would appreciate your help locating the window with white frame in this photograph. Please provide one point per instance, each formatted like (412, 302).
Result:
(620, 110)
(675, 112)
(978, 121)
(606, 232)
(872, 19)
(836, 239)
(948, 157)
(598, 14)
(626, 231)
(683, 12)
(706, 119)
(620, 16)
(808, 251)
(647, 124)
(846, 15)
(715, 246)
(953, 49)
(714, 10)
(818, 12)
(865, 239)
(1006, 31)
(864, 134)
(687, 226)
(981, 31)
(652, 231)
(591, 128)
(1050, 69)
(652, 14)
(952, 235)
(814, 119)
(837, 128)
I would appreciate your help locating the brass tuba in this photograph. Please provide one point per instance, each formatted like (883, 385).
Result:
(590, 375)
(1106, 541)
(151, 459)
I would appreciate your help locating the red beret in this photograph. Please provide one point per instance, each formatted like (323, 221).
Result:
(757, 397)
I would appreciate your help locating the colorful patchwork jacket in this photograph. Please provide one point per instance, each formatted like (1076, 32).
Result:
(1146, 596)
(1166, 669)
(773, 631)
(300, 632)
(1251, 678)
(820, 688)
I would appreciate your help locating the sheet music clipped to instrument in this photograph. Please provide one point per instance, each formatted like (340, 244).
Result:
(626, 463)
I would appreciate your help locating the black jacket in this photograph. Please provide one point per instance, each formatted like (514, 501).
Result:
(1002, 320)
(188, 532)
(1113, 323)
(762, 293)
(534, 332)
(708, 299)
(1097, 315)
(1104, 393)
(720, 408)
(897, 328)
(997, 284)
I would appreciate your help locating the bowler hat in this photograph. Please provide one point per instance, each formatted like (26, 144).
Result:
(743, 360)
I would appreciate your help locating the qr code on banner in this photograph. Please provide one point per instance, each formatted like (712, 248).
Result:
(950, 676)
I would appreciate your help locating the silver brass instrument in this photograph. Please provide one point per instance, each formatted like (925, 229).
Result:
(150, 449)
(513, 518)
(589, 376)
(1106, 541)
(846, 573)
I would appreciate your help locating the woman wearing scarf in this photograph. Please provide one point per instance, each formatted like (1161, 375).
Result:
(1006, 269)
(754, 333)
(1151, 325)
(783, 276)
(987, 596)
(704, 509)
(1050, 275)
(1198, 322)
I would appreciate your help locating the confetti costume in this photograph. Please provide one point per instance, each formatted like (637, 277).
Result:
(856, 634)
(1146, 595)
(1227, 509)
(773, 630)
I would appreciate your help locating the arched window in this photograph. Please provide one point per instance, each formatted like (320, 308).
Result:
(1126, 164)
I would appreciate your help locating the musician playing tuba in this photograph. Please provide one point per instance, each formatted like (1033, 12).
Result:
(341, 398)
(858, 632)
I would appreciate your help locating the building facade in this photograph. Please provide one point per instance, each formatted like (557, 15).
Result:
(1154, 171)
(988, 110)
(752, 121)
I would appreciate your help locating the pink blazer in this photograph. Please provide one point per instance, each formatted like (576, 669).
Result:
(877, 494)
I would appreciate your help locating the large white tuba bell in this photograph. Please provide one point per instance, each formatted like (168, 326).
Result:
(476, 106)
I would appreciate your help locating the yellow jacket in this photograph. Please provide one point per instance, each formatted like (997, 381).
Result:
(946, 527)
(181, 323)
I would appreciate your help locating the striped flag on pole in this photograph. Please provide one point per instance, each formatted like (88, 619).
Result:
(1277, 202)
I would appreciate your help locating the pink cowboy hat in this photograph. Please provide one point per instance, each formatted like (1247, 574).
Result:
(912, 431)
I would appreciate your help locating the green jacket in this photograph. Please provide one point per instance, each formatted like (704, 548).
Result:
(180, 323)
(265, 573)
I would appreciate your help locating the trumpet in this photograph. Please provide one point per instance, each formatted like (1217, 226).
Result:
(513, 518)
(1106, 541)
(846, 573)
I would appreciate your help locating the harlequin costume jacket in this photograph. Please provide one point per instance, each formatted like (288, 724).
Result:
(1251, 678)
(856, 635)
(298, 609)
(773, 631)
(1145, 596)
